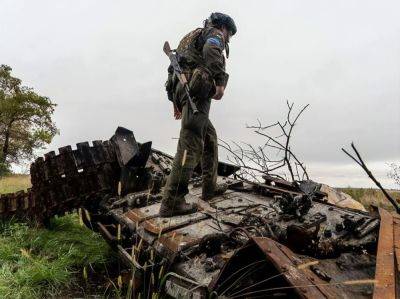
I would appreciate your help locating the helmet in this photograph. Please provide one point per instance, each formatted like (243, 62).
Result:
(220, 19)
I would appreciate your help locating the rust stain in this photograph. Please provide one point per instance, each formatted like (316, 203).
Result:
(396, 233)
(150, 226)
(280, 256)
(154, 226)
(135, 215)
(384, 273)
(105, 232)
(174, 241)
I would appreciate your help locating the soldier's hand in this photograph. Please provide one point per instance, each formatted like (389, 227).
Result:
(177, 113)
(219, 92)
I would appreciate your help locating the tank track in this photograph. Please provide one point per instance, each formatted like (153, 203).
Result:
(82, 177)
(65, 181)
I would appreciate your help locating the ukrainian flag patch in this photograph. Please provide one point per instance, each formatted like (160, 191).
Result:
(214, 41)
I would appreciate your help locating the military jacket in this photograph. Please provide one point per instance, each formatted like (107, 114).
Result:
(204, 47)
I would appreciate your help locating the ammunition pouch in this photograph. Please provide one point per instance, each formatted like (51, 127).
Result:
(170, 84)
(202, 85)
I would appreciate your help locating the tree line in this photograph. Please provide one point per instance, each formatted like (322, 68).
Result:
(25, 121)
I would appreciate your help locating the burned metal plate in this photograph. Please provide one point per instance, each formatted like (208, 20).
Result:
(295, 274)
(125, 145)
(141, 214)
(151, 211)
(230, 200)
(203, 269)
(180, 239)
(159, 225)
(385, 286)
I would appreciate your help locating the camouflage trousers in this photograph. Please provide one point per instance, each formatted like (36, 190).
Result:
(197, 144)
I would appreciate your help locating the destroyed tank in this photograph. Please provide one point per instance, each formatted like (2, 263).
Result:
(257, 240)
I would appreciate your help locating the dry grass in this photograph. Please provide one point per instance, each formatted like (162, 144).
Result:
(366, 196)
(370, 196)
(14, 183)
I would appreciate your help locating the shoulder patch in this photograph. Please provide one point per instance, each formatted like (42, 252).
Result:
(215, 41)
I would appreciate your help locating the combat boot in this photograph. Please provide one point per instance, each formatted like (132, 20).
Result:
(180, 208)
(208, 194)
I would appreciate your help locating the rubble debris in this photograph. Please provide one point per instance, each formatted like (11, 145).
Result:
(331, 195)
(341, 199)
(275, 238)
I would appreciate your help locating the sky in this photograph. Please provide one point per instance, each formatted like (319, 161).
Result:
(102, 63)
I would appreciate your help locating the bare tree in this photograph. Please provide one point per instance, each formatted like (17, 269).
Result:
(274, 155)
(395, 173)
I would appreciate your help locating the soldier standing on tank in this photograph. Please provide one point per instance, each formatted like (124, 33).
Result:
(201, 56)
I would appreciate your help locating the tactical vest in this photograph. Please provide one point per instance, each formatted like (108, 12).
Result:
(190, 58)
(190, 49)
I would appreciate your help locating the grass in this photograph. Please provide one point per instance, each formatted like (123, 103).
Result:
(370, 196)
(41, 263)
(16, 182)
(38, 262)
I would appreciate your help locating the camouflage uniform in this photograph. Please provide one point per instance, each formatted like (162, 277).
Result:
(202, 59)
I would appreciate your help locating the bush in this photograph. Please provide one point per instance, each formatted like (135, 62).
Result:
(36, 262)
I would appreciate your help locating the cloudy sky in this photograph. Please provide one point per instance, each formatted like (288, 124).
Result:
(102, 63)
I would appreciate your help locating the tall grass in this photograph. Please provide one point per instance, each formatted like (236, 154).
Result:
(37, 262)
(370, 196)
(15, 182)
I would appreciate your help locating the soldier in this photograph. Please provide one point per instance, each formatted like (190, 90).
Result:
(202, 59)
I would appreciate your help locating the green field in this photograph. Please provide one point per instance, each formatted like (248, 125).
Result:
(64, 261)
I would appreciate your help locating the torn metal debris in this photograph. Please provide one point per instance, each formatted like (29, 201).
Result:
(256, 240)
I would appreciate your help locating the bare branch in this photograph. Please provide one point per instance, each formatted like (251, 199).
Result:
(360, 162)
(258, 158)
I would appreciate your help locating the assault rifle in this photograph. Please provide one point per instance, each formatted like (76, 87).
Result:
(179, 73)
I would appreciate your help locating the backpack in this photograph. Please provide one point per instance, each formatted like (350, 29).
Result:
(189, 56)
(190, 49)
(190, 59)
